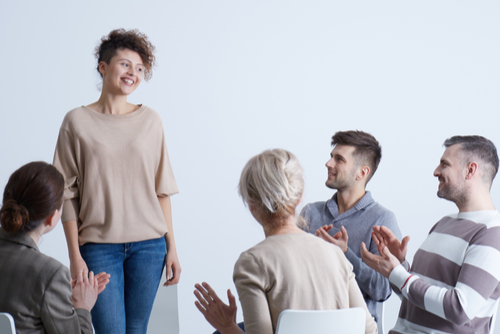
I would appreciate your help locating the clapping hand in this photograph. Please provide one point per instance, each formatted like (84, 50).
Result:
(217, 313)
(340, 238)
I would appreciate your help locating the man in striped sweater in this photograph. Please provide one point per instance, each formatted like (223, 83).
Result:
(453, 284)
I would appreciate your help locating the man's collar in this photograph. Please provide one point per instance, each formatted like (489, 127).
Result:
(364, 201)
(19, 237)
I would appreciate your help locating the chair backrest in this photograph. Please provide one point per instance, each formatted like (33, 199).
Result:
(344, 321)
(380, 316)
(7, 325)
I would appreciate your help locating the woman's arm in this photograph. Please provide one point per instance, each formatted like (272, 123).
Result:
(173, 271)
(77, 263)
(65, 160)
(75, 258)
(356, 300)
(251, 280)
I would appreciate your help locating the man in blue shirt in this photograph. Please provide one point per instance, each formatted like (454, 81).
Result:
(347, 218)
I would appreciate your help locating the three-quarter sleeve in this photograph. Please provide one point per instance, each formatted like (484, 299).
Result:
(66, 162)
(165, 184)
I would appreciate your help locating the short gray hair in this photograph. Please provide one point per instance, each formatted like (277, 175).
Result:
(273, 181)
(477, 147)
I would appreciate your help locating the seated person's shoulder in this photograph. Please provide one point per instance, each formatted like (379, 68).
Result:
(315, 206)
(45, 266)
(383, 215)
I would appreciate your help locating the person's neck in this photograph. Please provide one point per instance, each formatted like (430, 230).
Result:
(347, 198)
(476, 201)
(36, 234)
(287, 227)
(112, 104)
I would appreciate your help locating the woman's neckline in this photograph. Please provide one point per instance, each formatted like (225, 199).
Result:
(141, 107)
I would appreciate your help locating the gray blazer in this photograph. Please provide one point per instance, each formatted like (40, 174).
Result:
(35, 289)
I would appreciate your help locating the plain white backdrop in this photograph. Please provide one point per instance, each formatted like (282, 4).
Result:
(238, 77)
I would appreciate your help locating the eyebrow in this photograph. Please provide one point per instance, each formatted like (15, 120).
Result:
(337, 155)
(129, 61)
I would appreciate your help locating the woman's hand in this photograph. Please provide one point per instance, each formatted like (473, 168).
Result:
(102, 280)
(77, 265)
(173, 268)
(85, 290)
(218, 314)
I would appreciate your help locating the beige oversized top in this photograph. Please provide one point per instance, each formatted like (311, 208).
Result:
(114, 168)
(294, 271)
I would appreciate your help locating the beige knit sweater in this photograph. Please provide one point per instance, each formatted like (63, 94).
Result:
(294, 271)
(114, 168)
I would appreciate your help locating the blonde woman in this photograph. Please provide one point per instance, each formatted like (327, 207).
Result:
(290, 269)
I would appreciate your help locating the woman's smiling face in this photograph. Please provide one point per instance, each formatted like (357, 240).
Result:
(123, 74)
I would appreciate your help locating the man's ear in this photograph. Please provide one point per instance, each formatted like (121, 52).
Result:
(363, 173)
(471, 170)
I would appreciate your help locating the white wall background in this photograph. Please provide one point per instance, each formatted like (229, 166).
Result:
(237, 77)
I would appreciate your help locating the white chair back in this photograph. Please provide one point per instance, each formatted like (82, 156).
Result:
(380, 316)
(7, 325)
(344, 321)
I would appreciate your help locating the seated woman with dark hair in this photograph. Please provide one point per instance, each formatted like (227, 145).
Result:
(290, 269)
(35, 288)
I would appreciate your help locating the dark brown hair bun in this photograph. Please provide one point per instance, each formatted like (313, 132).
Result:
(32, 194)
(13, 215)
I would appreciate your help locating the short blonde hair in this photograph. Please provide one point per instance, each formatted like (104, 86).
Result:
(273, 181)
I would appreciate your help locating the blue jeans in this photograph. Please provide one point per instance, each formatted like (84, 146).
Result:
(135, 268)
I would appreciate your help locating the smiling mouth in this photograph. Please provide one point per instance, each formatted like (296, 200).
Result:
(128, 81)
(441, 183)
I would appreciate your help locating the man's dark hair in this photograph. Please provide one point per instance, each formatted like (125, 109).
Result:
(477, 147)
(367, 150)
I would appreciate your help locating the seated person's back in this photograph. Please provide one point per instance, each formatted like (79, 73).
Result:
(35, 288)
(293, 271)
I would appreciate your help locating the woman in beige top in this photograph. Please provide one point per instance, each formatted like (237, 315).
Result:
(118, 183)
(290, 269)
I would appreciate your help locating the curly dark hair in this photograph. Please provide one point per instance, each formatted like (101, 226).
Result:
(128, 39)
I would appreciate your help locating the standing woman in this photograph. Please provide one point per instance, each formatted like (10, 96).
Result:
(118, 183)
